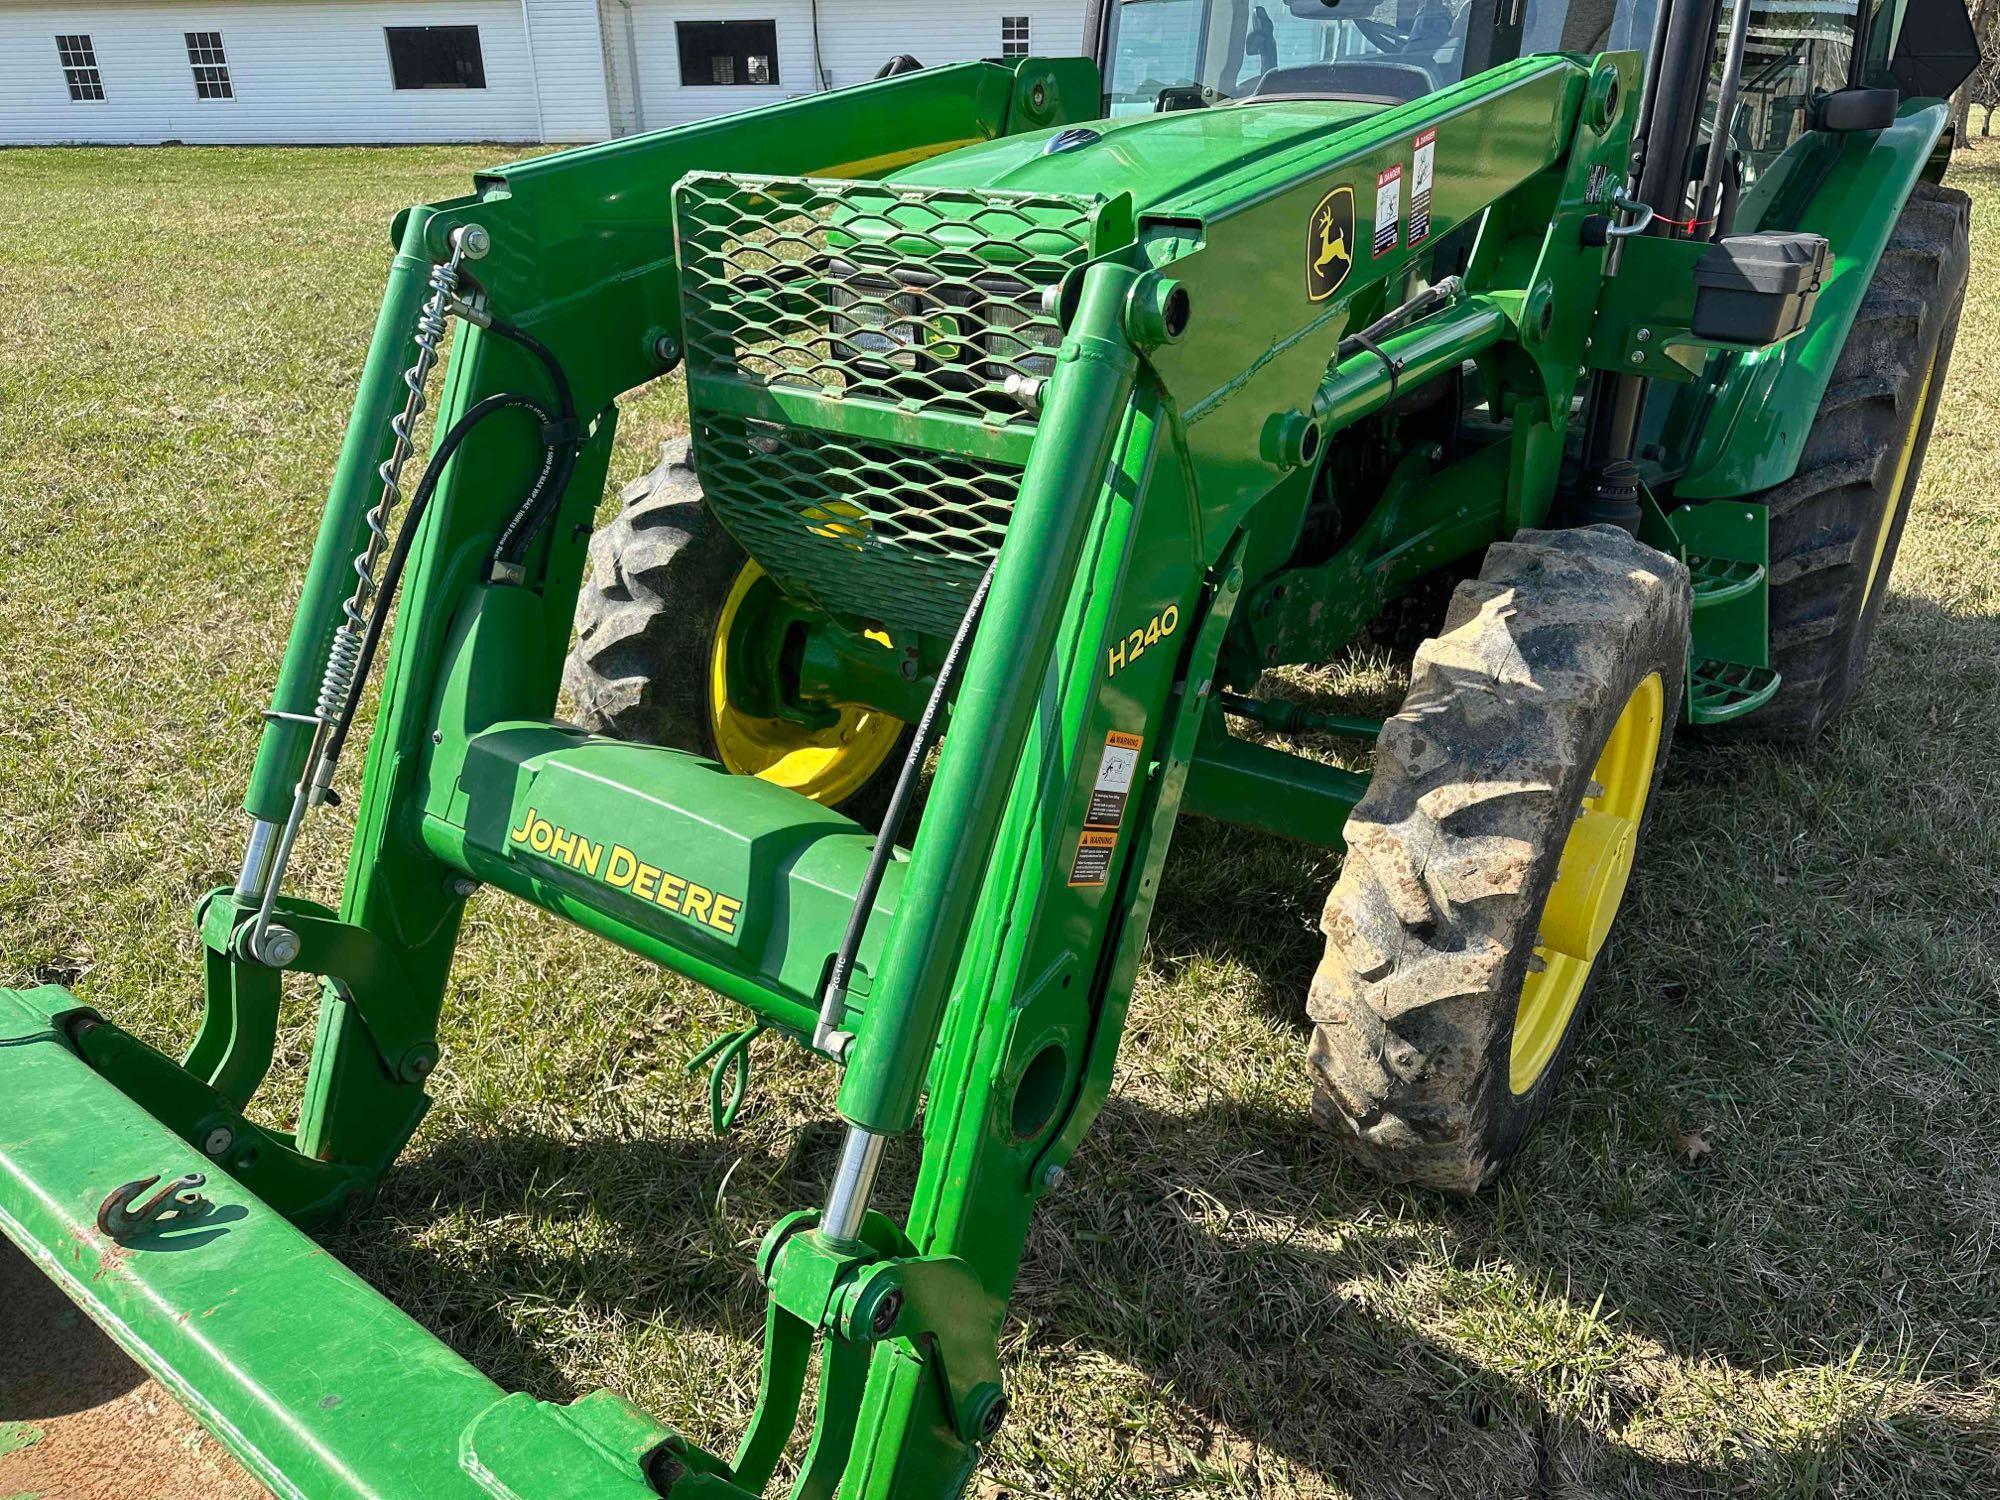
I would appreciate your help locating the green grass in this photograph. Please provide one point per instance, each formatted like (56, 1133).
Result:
(1215, 1304)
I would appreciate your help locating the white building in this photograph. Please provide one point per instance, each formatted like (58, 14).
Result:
(311, 71)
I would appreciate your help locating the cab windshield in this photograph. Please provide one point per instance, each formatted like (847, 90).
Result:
(1371, 51)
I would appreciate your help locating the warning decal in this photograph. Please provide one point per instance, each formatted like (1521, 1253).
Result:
(1388, 208)
(1093, 857)
(1115, 769)
(1422, 170)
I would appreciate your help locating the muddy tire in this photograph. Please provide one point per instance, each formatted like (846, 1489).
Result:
(1837, 522)
(653, 591)
(1452, 852)
(658, 580)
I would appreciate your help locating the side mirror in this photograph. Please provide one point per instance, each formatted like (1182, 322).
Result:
(1856, 109)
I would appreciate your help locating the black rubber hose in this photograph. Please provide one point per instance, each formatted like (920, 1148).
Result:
(558, 381)
(899, 799)
(399, 553)
(533, 513)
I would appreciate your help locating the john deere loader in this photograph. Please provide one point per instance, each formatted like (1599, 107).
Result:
(1038, 408)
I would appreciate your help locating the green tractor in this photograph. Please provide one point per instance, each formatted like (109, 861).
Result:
(1038, 409)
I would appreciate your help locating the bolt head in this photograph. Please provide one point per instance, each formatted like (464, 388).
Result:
(1052, 1176)
(1638, 357)
(463, 886)
(218, 1140)
(280, 946)
(474, 241)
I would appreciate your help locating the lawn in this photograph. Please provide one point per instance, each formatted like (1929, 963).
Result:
(1755, 1248)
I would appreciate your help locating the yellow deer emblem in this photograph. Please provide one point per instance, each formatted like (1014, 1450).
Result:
(1329, 234)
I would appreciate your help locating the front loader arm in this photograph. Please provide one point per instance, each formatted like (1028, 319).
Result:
(581, 256)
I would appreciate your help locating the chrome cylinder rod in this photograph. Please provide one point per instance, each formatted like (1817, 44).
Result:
(853, 1184)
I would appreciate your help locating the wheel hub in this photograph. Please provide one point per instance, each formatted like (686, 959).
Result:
(827, 764)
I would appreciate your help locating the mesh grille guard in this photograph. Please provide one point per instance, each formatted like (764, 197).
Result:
(849, 352)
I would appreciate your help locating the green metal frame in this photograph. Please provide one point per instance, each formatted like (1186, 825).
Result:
(1168, 479)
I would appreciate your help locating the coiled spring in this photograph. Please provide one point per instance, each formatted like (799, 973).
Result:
(429, 335)
(341, 660)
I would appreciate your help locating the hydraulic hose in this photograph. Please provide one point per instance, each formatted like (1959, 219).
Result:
(392, 568)
(532, 515)
(534, 511)
(561, 442)
(833, 1001)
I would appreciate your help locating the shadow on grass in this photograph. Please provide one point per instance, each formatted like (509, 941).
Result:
(1806, 978)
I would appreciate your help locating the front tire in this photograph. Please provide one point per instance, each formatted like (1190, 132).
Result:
(665, 583)
(1488, 858)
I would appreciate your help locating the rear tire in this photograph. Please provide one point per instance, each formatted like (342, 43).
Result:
(1837, 522)
(1437, 917)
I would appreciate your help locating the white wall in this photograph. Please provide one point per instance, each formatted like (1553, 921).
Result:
(856, 38)
(302, 72)
(309, 71)
(568, 56)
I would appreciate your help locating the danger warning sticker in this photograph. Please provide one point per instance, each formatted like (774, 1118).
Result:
(1115, 769)
(1092, 865)
(1388, 208)
(1423, 167)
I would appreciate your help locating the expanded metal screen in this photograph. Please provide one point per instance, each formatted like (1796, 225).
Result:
(851, 346)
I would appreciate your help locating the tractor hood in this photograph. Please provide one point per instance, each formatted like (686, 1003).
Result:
(1167, 162)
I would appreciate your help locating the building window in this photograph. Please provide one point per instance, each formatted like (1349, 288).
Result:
(435, 57)
(1016, 36)
(727, 52)
(211, 67)
(79, 65)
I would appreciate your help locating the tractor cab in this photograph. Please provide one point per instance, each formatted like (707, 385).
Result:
(1180, 54)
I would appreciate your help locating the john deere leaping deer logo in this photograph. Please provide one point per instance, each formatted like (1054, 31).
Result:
(1330, 244)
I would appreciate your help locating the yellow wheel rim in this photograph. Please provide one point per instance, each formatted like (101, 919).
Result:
(1890, 511)
(1589, 885)
(828, 765)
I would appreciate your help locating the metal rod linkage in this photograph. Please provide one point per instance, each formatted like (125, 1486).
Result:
(261, 860)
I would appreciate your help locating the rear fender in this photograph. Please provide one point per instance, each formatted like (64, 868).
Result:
(1762, 406)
